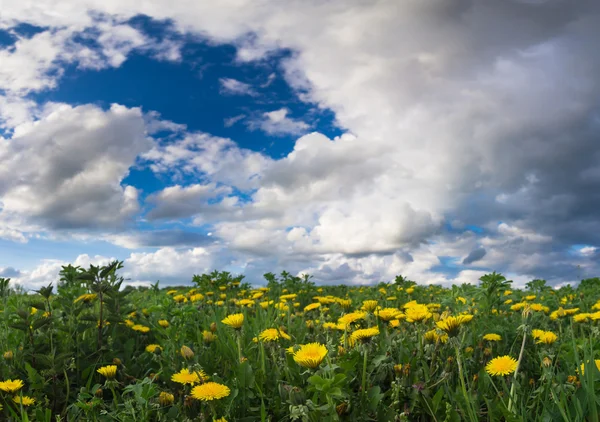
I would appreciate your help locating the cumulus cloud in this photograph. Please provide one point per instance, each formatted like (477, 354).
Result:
(65, 170)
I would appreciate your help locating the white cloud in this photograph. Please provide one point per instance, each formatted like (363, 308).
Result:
(65, 169)
(278, 123)
(183, 201)
(232, 86)
(588, 250)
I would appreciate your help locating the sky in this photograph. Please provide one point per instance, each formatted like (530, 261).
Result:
(351, 140)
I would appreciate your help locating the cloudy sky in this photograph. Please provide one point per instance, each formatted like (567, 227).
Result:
(354, 140)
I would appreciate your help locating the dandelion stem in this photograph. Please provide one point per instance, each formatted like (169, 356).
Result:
(512, 387)
(364, 371)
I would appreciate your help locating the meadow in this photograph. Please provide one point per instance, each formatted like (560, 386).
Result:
(88, 349)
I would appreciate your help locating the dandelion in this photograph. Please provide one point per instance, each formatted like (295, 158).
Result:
(548, 337)
(208, 336)
(272, 334)
(210, 391)
(351, 317)
(166, 399)
(186, 377)
(8, 355)
(387, 314)
(153, 348)
(451, 325)
(310, 355)
(492, 337)
(363, 335)
(140, 328)
(163, 323)
(86, 298)
(109, 371)
(186, 352)
(312, 306)
(24, 400)
(502, 365)
(11, 386)
(369, 305)
(417, 313)
(234, 321)
(597, 362)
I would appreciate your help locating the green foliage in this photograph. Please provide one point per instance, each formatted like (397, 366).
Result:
(58, 339)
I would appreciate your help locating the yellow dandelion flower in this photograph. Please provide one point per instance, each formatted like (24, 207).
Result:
(140, 328)
(24, 400)
(8, 355)
(387, 314)
(369, 305)
(180, 299)
(234, 321)
(583, 365)
(272, 334)
(364, 335)
(186, 377)
(86, 298)
(312, 306)
(351, 317)
(581, 317)
(11, 386)
(310, 355)
(109, 371)
(417, 313)
(153, 348)
(492, 337)
(451, 325)
(502, 365)
(548, 337)
(163, 323)
(210, 391)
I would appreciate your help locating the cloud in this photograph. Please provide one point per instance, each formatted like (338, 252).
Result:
(230, 86)
(203, 155)
(230, 121)
(9, 272)
(181, 202)
(278, 124)
(474, 256)
(455, 114)
(160, 238)
(64, 171)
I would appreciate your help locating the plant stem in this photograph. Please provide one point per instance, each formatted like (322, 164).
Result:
(512, 387)
(364, 371)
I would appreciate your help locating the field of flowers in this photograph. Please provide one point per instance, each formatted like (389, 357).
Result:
(87, 349)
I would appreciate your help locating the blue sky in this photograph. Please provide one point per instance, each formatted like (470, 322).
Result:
(350, 141)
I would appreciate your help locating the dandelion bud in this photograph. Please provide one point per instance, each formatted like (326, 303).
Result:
(117, 361)
(8, 355)
(99, 393)
(208, 337)
(547, 362)
(166, 399)
(213, 327)
(186, 352)
(341, 408)
(398, 368)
